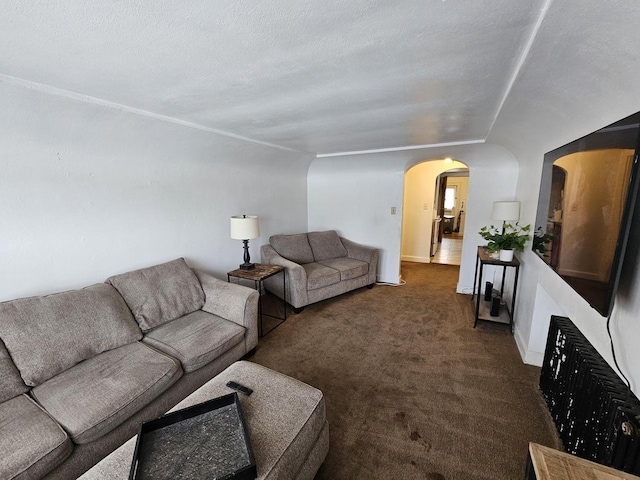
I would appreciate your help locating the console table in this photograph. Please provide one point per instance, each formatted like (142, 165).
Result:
(545, 463)
(258, 274)
(482, 310)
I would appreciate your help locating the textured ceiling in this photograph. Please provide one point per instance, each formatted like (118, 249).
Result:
(316, 76)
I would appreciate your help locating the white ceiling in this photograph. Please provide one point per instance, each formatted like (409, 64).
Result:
(316, 76)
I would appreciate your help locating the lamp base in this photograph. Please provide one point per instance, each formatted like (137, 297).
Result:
(247, 265)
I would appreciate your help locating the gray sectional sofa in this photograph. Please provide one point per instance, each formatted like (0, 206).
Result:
(80, 370)
(318, 265)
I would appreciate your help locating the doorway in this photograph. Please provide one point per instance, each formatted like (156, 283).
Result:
(434, 207)
(451, 190)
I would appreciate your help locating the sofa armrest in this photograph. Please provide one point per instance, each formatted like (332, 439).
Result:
(296, 277)
(271, 257)
(364, 254)
(358, 251)
(233, 302)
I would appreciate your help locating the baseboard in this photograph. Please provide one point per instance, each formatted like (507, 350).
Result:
(534, 358)
(411, 258)
(396, 281)
(522, 348)
(528, 356)
(464, 289)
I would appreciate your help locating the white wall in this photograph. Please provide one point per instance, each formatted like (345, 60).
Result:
(562, 94)
(88, 191)
(354, 195)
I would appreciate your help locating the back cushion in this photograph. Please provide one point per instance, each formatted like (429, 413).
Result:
(326, 245)
(11, 385)
(293, 247)
(159, 294)
(47, 335)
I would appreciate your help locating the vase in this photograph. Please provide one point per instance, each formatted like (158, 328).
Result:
(506, 255)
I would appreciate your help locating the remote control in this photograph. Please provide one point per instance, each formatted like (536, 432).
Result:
(240, 388)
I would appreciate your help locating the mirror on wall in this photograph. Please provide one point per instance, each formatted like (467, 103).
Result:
(586, 199)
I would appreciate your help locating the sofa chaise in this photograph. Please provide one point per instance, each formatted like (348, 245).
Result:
(318, 265)
(81, 370)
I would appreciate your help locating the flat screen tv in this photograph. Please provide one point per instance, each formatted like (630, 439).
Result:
(587, 197)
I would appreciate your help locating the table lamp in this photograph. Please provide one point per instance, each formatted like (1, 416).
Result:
(245, 228)
(505, 211)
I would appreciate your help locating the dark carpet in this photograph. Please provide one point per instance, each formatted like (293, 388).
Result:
(412, 390)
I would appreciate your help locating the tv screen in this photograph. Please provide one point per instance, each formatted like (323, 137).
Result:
(586, 202)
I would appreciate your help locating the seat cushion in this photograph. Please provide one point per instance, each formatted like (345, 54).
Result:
(195, 339)
(31, 442)
(98, 394)
(348, 267)
(159, 294)
(293, 247)
(319, 275)
(11, 385)
(47, 335)
(326, 245)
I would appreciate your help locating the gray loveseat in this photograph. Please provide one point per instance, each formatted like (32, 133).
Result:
(318, 265)
(80, 370)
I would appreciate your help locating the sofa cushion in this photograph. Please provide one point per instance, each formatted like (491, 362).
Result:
(11, 384)
(348, 267)
(195, 339)
(92, 398)
(159, 294)
(319, 275)
(326, 245)
(31, 442)
(293, 247)
(48, 335)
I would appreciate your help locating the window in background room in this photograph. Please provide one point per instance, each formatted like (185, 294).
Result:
(449, 199)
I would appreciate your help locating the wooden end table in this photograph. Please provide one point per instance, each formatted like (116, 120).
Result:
(544, 463)
(258, 275)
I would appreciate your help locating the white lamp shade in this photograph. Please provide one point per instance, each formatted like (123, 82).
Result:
(506, 211)
(244, 227)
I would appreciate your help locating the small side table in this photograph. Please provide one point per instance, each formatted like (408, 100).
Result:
(258, 274)
(482, 310)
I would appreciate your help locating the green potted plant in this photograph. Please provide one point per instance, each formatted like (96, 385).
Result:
(541, 240)
(512, 237)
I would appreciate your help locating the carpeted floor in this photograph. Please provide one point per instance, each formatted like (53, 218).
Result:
(412, 390)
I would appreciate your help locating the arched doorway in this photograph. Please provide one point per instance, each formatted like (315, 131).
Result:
(435, 199)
